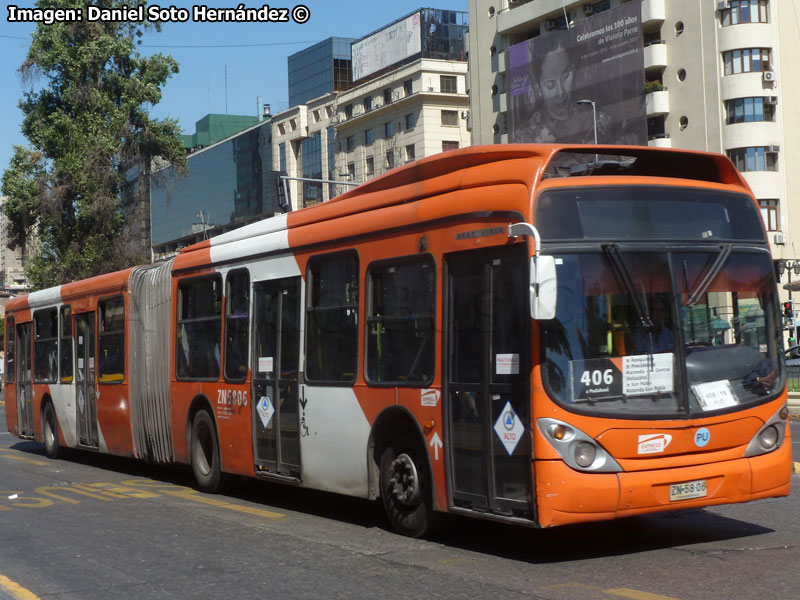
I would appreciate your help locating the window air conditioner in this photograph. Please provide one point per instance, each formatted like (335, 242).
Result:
(772, 100)
(723, 5)
(770, 76)
(780, 238)
(773, 149)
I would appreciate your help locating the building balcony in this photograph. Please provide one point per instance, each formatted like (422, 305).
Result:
(653, 11)
(657, 103)
(655, 55)
(660, 141)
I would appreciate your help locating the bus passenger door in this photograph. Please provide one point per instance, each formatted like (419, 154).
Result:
(276, 353)
(24, 373)
(487, 412)
(85, 378)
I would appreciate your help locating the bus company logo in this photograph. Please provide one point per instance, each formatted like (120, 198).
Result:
(429, 397)
(654, 443)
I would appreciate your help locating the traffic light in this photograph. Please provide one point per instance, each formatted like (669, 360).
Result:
(788, 309)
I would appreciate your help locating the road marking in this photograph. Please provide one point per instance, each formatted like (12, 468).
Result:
(194, 496)
(11, 454)
(619, 592)
(17, 591)
(636, 594)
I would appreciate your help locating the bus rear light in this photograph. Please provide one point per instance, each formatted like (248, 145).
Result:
(578, 450)
(771, 435)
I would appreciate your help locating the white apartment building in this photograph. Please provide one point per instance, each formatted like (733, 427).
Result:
(415, 111)
(719, 79)
(12, 266)
(305, 133)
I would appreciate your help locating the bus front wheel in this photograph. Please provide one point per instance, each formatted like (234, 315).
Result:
(205, 454)
(50, 431)
(406, 486)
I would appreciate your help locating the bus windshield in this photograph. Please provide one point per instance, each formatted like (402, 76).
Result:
(670, 333)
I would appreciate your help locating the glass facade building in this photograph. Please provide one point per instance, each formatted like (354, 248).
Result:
(226, 185)
(319, 69)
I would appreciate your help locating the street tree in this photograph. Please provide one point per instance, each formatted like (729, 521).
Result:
(82, 187)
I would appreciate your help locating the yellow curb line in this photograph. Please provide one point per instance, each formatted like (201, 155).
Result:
(16, 590)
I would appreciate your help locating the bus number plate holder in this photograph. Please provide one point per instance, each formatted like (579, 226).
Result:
(690, 489)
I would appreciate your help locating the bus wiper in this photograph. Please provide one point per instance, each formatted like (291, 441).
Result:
(711, 274)
(639, 303)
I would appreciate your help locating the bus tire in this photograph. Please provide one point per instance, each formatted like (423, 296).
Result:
(406, 489)
(52, 447)
(205, 454)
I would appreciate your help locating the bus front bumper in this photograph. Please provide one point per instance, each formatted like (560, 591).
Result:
(567, 496)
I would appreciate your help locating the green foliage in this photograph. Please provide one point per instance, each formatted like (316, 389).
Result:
(88, 124)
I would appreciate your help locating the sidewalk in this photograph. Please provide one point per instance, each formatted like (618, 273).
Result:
(794, 406)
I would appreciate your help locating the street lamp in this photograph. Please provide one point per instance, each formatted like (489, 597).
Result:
(594, 116)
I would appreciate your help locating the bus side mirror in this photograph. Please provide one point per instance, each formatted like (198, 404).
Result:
(543, 287)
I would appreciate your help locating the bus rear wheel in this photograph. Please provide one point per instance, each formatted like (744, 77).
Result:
(205, 454)
(406, 488)
(50, 431)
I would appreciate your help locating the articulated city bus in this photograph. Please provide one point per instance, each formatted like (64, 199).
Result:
(535, 334)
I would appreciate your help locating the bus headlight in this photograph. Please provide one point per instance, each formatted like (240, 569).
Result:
(770, 436)
(585, 453)
(578, 450)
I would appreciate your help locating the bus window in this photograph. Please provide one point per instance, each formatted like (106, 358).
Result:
(45, 346)
(111, 340)
(199, 328)
(66, 344)
(10, 365)
(400, 321)
(332, 318)
(237, 312)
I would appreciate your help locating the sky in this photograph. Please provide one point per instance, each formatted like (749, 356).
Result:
(224, 67)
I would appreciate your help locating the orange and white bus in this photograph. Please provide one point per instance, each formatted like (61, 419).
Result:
(535, 334)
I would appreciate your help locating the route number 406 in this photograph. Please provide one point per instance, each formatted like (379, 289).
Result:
(598, 377)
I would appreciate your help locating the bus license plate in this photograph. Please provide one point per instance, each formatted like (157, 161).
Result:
(690, 489)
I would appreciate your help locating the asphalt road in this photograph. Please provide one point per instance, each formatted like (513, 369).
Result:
(90, 527)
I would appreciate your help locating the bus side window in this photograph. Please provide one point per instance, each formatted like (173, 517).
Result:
(237, 319)
(45, 346)
(65, 341)
(111, 338)
(332, 318)
(199, 328)
(401, 321)
(10, 347)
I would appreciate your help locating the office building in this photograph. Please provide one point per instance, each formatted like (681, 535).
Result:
(407, 100)
(226, 185)
(319, 69)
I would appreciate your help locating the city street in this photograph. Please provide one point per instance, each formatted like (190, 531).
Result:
(89, 526)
